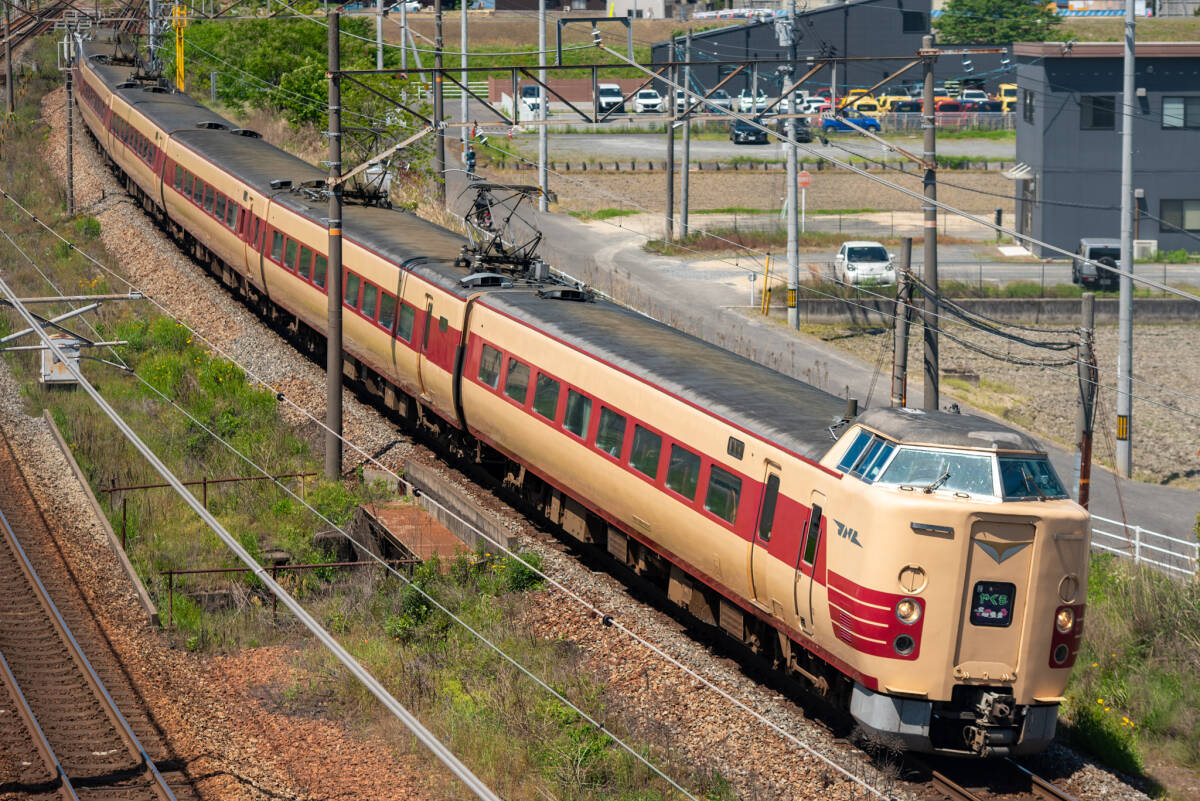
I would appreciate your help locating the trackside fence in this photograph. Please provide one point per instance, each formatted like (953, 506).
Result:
(1171, 555)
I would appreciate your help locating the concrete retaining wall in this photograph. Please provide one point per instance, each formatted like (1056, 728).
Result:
(1057, 311)
(655, 165)
(457, 512)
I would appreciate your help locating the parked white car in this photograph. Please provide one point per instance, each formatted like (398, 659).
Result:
(861, 262)
(531, 97)
(648, 100)
(748, 104)
(608, 95)
(974, 96)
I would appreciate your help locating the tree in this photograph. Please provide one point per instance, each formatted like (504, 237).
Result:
(996, 21)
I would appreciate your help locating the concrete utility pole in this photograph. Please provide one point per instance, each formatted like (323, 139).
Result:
(404, 38)
(439, 150)
(670, 234)
(1125, 318)
(8, 75)
(378, 34)
(333, 278)
(793, 211)
(543, 114)
(70, 123)
(212, 86)
(687, 136)
(903, 313)
(462, 62)
(1087, 399)
(152, 34)
(929, 122)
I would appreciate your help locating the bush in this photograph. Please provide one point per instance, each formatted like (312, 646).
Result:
(87, 227)
(1109, 737)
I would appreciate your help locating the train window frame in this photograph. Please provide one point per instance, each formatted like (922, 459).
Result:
(406, 319)
(368, 309)
(320, 270)
(546, 392)
(637, 451)
(767, 508)
(198, 193)
(277, 247)
(490, 362)
(231, 215)
(387, 306)
(605, 427)
(717, 475)
(812, 537)
(351, 298)
(291, 252)
(208, 198)
(177, 177)
(219, 206)
(683, 471)
(188, 178)
(304, 266)
(517, 366)
(573, 422)
(857, 446)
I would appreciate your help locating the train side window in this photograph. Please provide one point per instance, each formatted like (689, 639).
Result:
(178, 178)
(305, 262)
(208, 199)
(813, 538)
(545, 396)
(683, 472)
(254, 232)
(766, 515)
(350, 295)
(277, 247)
(369, 295)
(289, 251)
(647, 447)
(404, 322)
(187, 182)
(516, 384)
(610, 434)
(219, 207)
(231, 215)
(198, 192)
(489, 366)
(578, 414)
(725, 492)
(320, 267)
(387, 312)
(854, 451)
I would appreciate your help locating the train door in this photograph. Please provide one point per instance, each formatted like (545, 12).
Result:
(422, 353)
(806, 562)
(759, 558)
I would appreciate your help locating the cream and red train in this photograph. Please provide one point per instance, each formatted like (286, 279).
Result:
(926, 569)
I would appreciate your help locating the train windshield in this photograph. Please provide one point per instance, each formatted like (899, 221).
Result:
(940, 470)
(1027, 477)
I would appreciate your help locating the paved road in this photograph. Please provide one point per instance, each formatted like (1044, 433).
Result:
(665, 287)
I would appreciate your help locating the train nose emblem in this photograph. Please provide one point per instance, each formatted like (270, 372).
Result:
(1000, 550)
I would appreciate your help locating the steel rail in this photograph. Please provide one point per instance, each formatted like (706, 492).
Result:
(65, 788)
(81, 661)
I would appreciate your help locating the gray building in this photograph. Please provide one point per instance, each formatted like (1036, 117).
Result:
(1069, 125)
(866, 29)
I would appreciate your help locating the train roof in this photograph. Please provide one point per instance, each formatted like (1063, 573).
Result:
(776, 407)
(918, 426)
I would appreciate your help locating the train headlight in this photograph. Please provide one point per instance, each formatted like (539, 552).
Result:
(908, 611)
(1064, 621)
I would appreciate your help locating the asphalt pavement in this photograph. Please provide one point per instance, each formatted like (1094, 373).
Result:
(614, 262)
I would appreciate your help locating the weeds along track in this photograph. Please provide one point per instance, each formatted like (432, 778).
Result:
(64, 674)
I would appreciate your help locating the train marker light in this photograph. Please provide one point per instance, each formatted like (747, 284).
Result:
(1064, 621)
(908, 611)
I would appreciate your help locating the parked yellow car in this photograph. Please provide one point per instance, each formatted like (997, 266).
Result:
(1007, 95)
(887, 101)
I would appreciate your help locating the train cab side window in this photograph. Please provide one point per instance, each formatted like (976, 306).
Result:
(610, 433)
(813, 529)
(578, 414)
(290, 254)
(489, 366)
(387, 314)
(305, 262)
(725, 492)
(277, 246)
(683, 472)
(516, 385)
(404, 322)
(369, 296)
(320, 266)
(545, 396)
(869, 471)
(647, 447)
(350, 296)
(854, 451)
(208, 199)
(766, 515)
(219, 207)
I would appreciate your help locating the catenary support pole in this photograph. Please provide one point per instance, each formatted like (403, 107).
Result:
(70, 123)
(8, 74)
(793, 219)
(670, 233)
(464, 133)
(903, 314)
(543, 114)
(403, 35)
(152, 36)
(212, 86)
(378, 34)
(684, 188)
(1125, 302)
(439, 134)
(929, 233)
(1086, 413)
(333, 278)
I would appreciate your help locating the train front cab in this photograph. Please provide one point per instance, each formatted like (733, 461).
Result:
(976, 560)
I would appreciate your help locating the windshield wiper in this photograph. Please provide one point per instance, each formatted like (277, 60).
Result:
(1031, 483)
(939, 481)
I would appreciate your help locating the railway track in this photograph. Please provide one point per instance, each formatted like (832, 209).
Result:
(76, 728)
(1024, 782)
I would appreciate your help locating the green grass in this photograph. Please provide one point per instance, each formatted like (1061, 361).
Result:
(603, 214)
(994, 135)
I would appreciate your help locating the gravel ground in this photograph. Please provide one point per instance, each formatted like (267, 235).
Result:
(655, 695)
(1166, 439)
